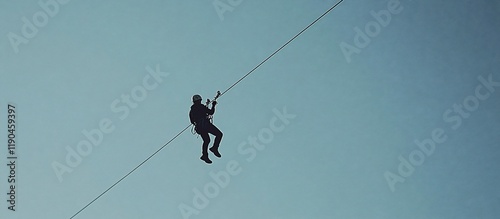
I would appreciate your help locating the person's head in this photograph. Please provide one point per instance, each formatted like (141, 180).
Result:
(197, 98)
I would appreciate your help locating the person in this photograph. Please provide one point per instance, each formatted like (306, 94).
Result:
(199, 116)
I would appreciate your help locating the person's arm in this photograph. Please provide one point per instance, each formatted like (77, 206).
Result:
(212, 111)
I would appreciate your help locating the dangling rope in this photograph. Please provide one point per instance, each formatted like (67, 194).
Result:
(230, 87)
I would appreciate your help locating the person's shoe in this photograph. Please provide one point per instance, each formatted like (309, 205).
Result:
(215, 151)
(206, 159)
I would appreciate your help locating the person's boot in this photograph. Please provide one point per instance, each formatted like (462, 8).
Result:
(215, 151)
(206, 159)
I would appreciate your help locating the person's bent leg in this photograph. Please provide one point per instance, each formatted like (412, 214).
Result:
(212, 129)
(218, 137)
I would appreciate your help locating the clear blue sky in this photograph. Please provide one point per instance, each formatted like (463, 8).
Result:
(362, 88)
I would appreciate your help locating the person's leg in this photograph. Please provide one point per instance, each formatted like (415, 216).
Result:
(204, 147)
(212, 129)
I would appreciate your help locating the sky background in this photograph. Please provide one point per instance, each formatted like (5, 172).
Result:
(353, 119)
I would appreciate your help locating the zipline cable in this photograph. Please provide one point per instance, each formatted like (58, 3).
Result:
(229, 88)
(126, 175)
(284, 45)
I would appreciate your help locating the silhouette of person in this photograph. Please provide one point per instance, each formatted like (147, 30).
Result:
(199, 116)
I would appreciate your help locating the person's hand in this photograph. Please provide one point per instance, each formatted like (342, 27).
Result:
(214, 103)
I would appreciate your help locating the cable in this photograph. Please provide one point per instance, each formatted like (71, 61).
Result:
(284, 45)
(230, 87)
(126, 175)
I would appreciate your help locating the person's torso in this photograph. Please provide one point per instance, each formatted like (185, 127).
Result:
(199, 112)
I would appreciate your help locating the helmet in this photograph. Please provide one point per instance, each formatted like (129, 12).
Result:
(196, 98)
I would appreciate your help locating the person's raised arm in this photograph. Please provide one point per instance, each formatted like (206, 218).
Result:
(212, 111)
